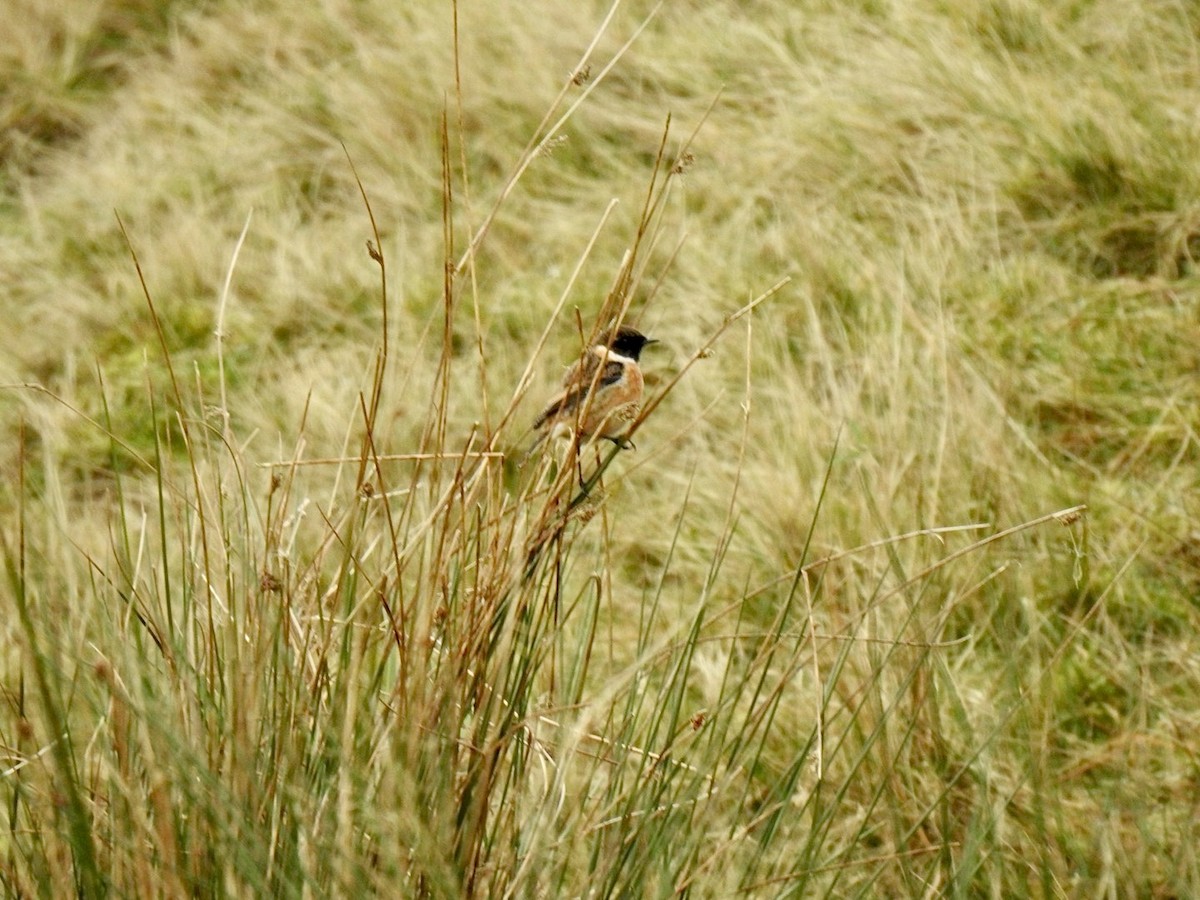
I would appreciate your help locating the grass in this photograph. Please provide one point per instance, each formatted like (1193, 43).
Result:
(895, 598)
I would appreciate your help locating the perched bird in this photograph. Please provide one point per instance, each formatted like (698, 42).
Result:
(602, 391)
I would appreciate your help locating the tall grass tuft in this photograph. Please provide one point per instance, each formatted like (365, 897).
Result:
(381, 674)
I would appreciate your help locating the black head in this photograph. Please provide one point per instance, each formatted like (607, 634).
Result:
(628, 341)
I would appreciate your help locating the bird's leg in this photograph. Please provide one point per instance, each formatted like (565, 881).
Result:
(577, 455)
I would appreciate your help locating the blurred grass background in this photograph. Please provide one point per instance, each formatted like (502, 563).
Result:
(988, 212)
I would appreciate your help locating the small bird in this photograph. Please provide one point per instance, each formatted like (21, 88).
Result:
(602, 391)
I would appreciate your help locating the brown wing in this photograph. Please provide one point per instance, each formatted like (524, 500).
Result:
(582, 370)
(576, 382)
(565, 400)
(612, 373)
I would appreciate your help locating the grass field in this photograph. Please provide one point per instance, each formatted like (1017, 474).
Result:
(896, 596)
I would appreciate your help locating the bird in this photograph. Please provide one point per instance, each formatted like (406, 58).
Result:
(601, 392)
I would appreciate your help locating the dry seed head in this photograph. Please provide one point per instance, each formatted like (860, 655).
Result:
(553, 144)
(1070, 518)
(683, 164)
(584, 512)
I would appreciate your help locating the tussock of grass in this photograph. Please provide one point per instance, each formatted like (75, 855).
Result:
(283, 616)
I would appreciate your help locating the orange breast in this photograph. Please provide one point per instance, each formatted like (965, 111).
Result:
(614, 405)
